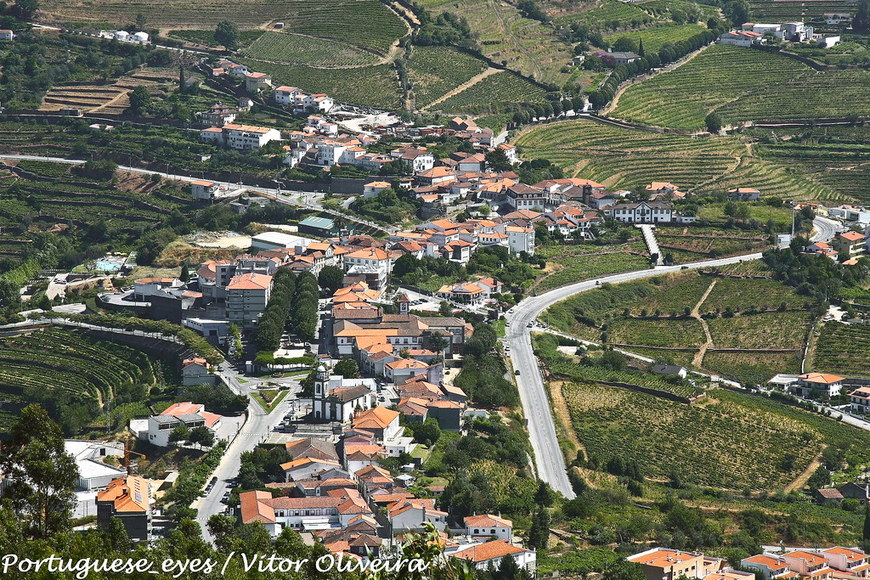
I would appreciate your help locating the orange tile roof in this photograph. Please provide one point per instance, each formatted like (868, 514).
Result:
(771, 563)
(254, 508)
(662, 558)
(852, 236)
(494, 550)
(487, 521)
(376, 418)
(129, 494)
(821, 378)
(247, 128)
(811, 559)
(851, 555)
(250, 281)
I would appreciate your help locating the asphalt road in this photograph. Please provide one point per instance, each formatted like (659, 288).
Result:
(549, 461)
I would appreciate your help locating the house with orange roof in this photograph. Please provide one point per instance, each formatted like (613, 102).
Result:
(129, 500)
(744, 38)
(860, 400)
(851, 561)
(489, 555)
(823, 249)
(246, 298)
(373, 264)
(435, 176)
(204, 189)
(670, 564)
(488, 525)
(191, 415)
(814, 384)
(418, 158)
(744, 194)
(404, 368)
(241, 137)
(808, 564)
(304, 467)
(337, 398)
(316, 513)
(256, 82)
(373, 188)
(196, 371)
(412, 514)
(771, 567)
(850, 244)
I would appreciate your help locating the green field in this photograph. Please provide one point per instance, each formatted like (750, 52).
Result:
(603, 14)
(743, 85)
(574, 263)
(375, 86)
(737, 441)
(843, 349)
(366, 23)
(74, 376)
(171, 13)
(785, 330)
(206, 37)
(306, 50)
(436, 70)
(492, 93)
(654, 38)
(629, 158)
(752, 368)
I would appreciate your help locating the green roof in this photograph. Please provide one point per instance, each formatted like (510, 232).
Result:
(320, 223)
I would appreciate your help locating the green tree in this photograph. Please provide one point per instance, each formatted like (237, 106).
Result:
(861, 21)
(544, 495)
(40, 473)
(201, 436)
(331, 278)
(179, 434)
(435, 340)
(866, 531)
(497, 160)
(737, 11)
(640, 49)
(444, 309)
(25, 9)
(140, 99)
(347, 368)
(713, 122)
(227, 34)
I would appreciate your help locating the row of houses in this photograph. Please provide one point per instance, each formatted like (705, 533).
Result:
(848, 246)
(823, 564)
(751, 34)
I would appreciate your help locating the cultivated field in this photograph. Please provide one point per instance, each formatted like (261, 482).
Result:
(738, 441)
(752, 368)
(434, 71)
(743, 85)
(843, 349)
(374, 86)
(654, 38)
(171, 13)
(300, 49)
(576, 262)
(492, 93)
(629, 158)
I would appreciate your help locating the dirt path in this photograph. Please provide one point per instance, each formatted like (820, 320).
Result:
(472, 81)
(560, 408)
(112, 102)
(613, 104)
(698, 359)
(805, 475)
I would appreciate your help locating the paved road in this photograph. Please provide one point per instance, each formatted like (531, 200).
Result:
(549, 461)
(254, 431)
(285, 197)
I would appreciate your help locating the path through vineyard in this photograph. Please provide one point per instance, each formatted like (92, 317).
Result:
(699, 356)
(560, 407)
(472, 81)
(805, 475)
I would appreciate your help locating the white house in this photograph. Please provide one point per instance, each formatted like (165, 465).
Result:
(373, 188)
(336, 398)
(489, 555)
(520, 239)
(6, 35)
(241, 137)
(202, 189)
(814, 384)
(745, 38)
(246, 298)
(487, 525)
(413, 514)
(190, 414)
(285, 95)
(641, 213)
(369, 260)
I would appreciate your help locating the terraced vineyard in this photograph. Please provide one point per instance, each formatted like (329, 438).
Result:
(89, 99)
(374, 86)
(765, 330)
(787, 10)
(843, 349)
(603, 13)
(654, 38)
(628, 158)
(171, 13)
(366, 23)
(71, 374)
(299, 49)
(434, 71)
(523, 44)
(72, 204)
(737, 440)
(492, 93)
(752, 368)
(743, 85)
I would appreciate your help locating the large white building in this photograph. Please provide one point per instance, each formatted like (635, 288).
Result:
(644, 212)
(336, 398)
(241, 137)
(190, 414)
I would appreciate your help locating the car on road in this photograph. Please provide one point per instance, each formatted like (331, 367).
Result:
(530, 325)
(684, 267)
(517, 372)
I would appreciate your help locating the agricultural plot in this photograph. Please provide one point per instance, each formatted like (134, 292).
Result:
(676, 8)
(434, 71)
(737, 440)
(780, 215)
(575, 268)
(843, 349)
(374, 86)
(693, 248)
(72, 375)
(677, 333)
(88, 99)
(366, 23)
(492, 93)
(789, 10)
(765, 330)
(743, 85)
(628, 158)
(171, 13)
(522, 44)
(742, 295)
(653, 38)
(605, 14)
(752, 368)
(299, 49)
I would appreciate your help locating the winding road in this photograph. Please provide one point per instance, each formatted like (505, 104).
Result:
(549, 461)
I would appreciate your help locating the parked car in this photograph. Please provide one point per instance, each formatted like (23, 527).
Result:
(517, 372)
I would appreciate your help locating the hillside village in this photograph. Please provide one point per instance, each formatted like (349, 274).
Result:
(316, 327)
